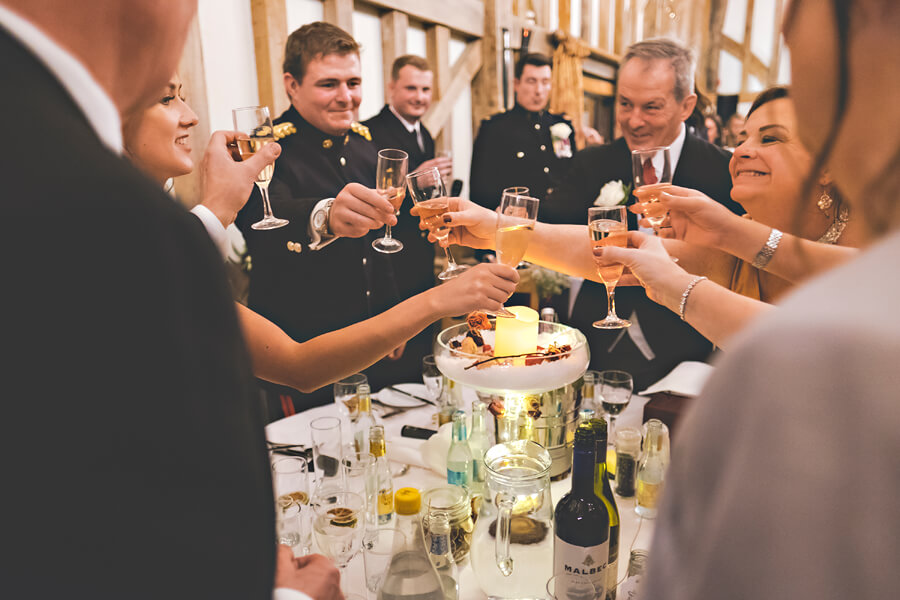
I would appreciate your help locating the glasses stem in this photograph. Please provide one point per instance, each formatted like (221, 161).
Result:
(449, 256)
(611, 300)
(387, 232)
(267, 207)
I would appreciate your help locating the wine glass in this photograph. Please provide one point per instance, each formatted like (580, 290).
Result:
(608, 226)
(291, 484)
(345, 396)
(428, 193)
(432, 377)
(615, 394)
(515, 224)
(338, 526)
(390, 182)
(652, 170)
(255, 123)
(327, 451)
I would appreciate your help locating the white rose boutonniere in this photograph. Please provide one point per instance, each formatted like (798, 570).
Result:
(613, 193)
(559, 134)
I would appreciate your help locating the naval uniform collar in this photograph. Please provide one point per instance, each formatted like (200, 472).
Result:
(313, 133)
(534, 116)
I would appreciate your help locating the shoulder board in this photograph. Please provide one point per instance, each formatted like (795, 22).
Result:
(282, 130)
(361, 130)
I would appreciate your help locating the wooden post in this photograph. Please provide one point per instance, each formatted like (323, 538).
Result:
(747, 58)
(587, 19)
(565, 15)
(393, 43)
(340, 13)
(193, 78)
(269, 37)
(437, 50)
(486, 87)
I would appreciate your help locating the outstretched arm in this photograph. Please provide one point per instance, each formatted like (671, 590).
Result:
(329, 357)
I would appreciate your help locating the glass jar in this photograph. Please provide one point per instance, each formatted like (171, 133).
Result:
(628, 452)
(454, 501)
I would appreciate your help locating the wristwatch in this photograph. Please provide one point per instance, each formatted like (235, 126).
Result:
(320, 219)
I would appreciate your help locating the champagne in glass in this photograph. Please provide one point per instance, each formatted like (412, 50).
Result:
(608, 226)
(429, 195)
(338, 526)
(652, 171)
(255, 125)
(390, 182)
(515, 225)
(615, 394)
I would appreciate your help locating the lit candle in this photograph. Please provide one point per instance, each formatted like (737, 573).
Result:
(518, 335)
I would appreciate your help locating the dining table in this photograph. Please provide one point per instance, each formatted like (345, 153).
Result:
(410, 462)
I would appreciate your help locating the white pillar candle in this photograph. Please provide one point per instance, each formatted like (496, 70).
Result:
(516, 335)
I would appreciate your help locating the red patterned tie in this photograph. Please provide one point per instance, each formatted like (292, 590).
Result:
(649, 173)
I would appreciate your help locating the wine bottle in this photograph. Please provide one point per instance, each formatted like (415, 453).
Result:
(365, 421)
(581, 546)
(459, 457)
(603, 490)
(383, 482)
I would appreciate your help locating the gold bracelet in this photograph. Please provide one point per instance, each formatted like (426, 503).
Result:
(687, 292)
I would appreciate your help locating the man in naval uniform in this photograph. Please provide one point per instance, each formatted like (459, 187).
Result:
(525, 146)
(320, 273)
(399, 126)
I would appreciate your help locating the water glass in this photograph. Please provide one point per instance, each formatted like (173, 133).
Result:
(327, 450)
(359, 478)
(432, 377)
(378, 548)
(289, 526)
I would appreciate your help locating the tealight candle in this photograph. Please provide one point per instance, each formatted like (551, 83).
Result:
(516, 335)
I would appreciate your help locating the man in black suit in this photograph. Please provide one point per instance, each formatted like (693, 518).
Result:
(133, 454)
(654, 96)
(526, 146)
(320, 273)
(398, 125)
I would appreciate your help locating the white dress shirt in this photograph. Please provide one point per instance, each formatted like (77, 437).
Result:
(411, 127)
(100, 112)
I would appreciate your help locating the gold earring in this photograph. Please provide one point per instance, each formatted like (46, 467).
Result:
(825, 201)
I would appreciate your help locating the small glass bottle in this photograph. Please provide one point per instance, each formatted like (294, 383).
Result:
(630, 588)
(440, 554)
(479, 443)
(459, 457)
(548, 313)
(628, 451)
(410, 575)
(383, 482)
(652, 469)
(365, 420)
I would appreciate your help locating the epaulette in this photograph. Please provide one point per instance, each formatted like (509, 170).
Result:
(360, 129)
(282, 130)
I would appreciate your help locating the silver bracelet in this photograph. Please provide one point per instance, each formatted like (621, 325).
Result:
(766, 253)
(687, 292)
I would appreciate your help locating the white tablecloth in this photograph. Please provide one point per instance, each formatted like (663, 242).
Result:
(634, 532)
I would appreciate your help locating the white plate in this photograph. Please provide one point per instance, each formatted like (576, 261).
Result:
(391, 398)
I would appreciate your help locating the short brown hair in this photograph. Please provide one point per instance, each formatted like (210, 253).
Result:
(408, 60)
(534, 59)
(315, 40)
(679, 56)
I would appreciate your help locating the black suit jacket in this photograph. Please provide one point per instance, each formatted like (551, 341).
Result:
(132, 449)
(702, 166)
(311, 292)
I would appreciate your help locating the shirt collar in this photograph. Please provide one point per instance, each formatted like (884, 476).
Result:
(96, 105)
(675, 148)
(410, 127)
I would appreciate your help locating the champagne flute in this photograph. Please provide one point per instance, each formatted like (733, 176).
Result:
(338, 526)
(608, 226)
(515, 224)
(390, 182)
(428, 193)
(615, 393)
(652, 170)
(254, 123)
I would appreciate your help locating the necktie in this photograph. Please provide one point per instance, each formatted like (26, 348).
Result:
(419, 140)
(649, 173)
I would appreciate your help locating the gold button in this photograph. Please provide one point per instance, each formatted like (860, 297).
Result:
(537, 125)
(290, 246)
(546, 169)
(543, 147)
(520, 155)
(364, 261)
(327, 144)
(346, 139)
(343, 161)
(368, 293)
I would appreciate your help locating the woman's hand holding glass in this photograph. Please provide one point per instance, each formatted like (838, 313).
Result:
(694, 217)
(470, 225)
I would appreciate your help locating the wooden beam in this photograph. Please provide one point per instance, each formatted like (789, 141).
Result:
(772, 79)
(747, 54)
(486, 88)
(340, 13)
(587, 18)
(437, 50)
(462, 74)
(603, 30)
(620, 40)
(542, 13)
(565, 15)
(394, 25)
(269, 37)
(193, 78)
(465, 16)
(599, 87)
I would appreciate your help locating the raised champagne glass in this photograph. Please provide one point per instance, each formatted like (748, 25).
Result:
(429, 194)
(255, 125)
(390, 182)
(608, 226)
(652, 170)
(515, 225)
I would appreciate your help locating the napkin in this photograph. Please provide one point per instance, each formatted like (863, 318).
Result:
(687, 379)
(406, 451)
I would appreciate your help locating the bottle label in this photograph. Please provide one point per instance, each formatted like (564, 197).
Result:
(456, 478)
(440, 545)
(585, 561)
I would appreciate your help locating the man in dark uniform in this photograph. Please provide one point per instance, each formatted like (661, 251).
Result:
(398, 125)
(320, 273)
(526, 146)
(654, 97)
